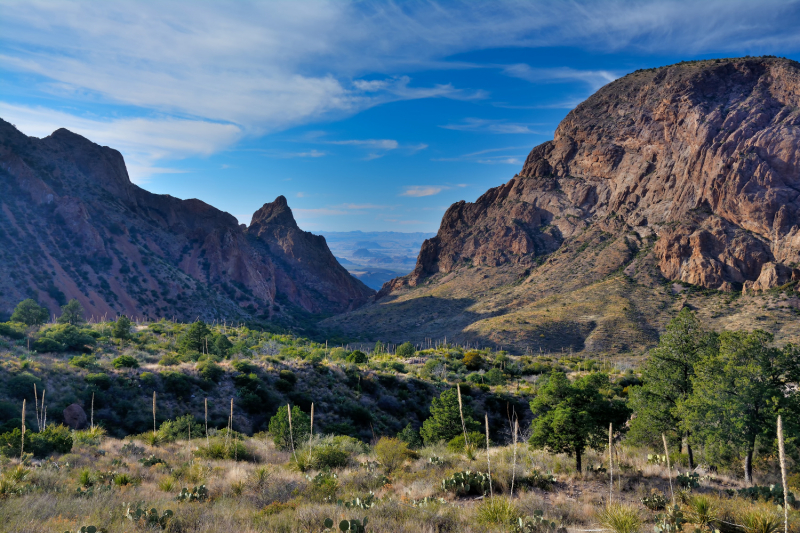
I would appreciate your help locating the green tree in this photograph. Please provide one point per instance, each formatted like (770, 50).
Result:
(356, 356)
(196, 337)
(667, 375)
(445, 420)
(122, 328)
(222, 345)
(405, 350)
(571, 417)
(410, 436)
(72, 313)
(30, 313)
(279, 428)
(738, 392)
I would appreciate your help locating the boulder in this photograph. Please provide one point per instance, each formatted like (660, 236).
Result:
(75, 416)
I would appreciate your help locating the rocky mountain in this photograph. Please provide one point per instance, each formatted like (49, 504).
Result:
(687, 174)
(72, 225)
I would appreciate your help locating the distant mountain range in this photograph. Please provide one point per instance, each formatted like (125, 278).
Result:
(378, 256)
(72, 225)
(668, 187)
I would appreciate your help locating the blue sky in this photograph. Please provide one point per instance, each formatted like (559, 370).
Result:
(365, 115)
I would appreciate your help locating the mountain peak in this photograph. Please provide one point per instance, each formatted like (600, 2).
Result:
(276, 213)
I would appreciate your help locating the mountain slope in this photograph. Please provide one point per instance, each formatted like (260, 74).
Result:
(687, 173)
(72, 225)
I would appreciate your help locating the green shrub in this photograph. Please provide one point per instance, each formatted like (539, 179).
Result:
(67, 337)
(169, 359)
(467, 482)
(771, 494)
(243, 366)
(179, 429)
(476, 440)
(148, 378)
(125, 361)
(99, 380)
(329, 455)
(218, 448)
(283, 385)
(392, 453)
(410, 436)
(279, 428)
(210, 371)
(21, 386)
(177, 383)
(86, 361)
(405, 350)
(54, 439)
(357, 357)
(621, 518)
(497, 511)
(15, 330)
(494, 377)
(288, 375)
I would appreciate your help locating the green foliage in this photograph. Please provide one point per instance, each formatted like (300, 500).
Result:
(15, 330)
(738, 392)
(410, 436)
(671, 521)
(197, 494)
(444, 423)
(534, 524)
(122, 328)
(288, 375)
(90, 529)
(219, 448)
(21, 386)
(667, 376)
(688, 481)
(494, 377)
(64, 337)
(99, 380)
(539, 480)
(86, 361)
(222, 346)
(243, 366)
(328, 455)
(762, 522)
(279, 428)
(152, 460)
(357, 357)
(571, 417)
(392, 453)
(771, 494)
(323, 486)
(125, 361)
(473, 360)
(54, 439)
(354, 525)
(177, 382)
(29, 313)
(467, 482)
(405, 350)
(123, 479)
(169, 359)
(655, 501)
(210, 371)
(476, 439)
(195, 338)
(72, 313)
(148, 518)
(367, 502)
(178, 429)
(497, 511)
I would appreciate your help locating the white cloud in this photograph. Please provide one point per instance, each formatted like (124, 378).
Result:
(491, 126)
(418, 191)
(483, 157)
(594, 78)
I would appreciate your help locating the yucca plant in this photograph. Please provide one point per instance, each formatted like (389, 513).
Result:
(497, 510)
(620, 518)
(702, 512)
(87, 478)
(17, 474)
(762, 522)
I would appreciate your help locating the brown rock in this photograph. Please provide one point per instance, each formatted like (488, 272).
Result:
(75, 416)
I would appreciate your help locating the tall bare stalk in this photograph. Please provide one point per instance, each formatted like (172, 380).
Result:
(36, 400)
(488, 462)
(92, 419)
(610, 462)
(22, 446)
(461, 412)
(514, 464)
(669, 469)
(782, 456)
(205, 402)
(154, 413)
(43, 413)
(311, 430)
(291, 431)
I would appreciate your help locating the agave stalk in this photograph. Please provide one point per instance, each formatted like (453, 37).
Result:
(154, 414)
(205, 402)
(461, 413)
(669, 470)
(291, 432)
(514, 464)
(782, 456)
(610, 462)
(488, 461)
(22, 445)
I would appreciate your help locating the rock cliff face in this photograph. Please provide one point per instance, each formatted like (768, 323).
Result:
(72, 225)
(703, 155)
(676, 177)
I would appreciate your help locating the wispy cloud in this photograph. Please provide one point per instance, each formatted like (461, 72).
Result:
(363, 206)
(490, 157)
(492, 126)
(378, 147)
(418, 191)
(594, 78)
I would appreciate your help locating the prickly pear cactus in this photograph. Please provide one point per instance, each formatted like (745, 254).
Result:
(467, 482)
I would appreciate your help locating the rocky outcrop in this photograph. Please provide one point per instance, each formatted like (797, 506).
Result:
(75, 416)
(72, 225)
(702, 157)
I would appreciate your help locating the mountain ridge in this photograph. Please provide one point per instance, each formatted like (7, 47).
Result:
(76, 227)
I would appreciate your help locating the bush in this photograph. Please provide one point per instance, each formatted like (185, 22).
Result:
(473, 360)
(410, 436)
(356, 357)
(405, 350)
(177, 383)
(219, 449)
(21, 385)
(329, 455)
(210, 371)
(476, 440)
(494, 377)
(148, 378)
(172, 430)
(100, 380)
(243, 366)
(497, 511)
(279, 428)
(65, 337)
(620, 518)
(125, 361)
(392, 453)
(54, 439)
(15, 330)
(288, 375)
(86, 361)
(169, 359)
